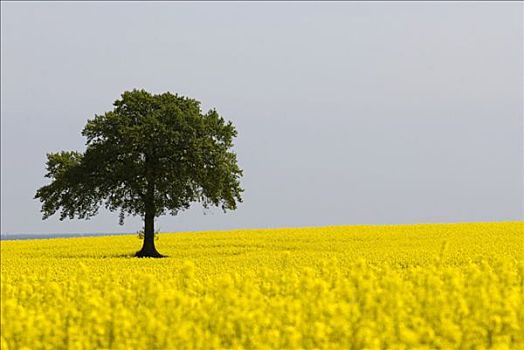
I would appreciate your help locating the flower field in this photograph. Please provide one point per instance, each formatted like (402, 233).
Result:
(439, 286)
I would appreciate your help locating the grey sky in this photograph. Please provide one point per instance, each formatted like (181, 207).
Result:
(347, 113)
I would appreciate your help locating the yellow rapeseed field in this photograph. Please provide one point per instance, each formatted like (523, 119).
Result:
(442, 286)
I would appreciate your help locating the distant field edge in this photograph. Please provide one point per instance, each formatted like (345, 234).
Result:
(31, 236)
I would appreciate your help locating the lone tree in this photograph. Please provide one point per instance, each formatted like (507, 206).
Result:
(150, 155)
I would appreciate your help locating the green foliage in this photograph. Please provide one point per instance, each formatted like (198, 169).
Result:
(141, 234)
(152, 154)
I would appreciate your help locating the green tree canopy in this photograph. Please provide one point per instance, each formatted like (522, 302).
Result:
(151, 155)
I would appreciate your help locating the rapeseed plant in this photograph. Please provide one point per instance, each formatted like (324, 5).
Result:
(375, 287)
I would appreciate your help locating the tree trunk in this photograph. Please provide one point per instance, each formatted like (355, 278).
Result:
(148, 248)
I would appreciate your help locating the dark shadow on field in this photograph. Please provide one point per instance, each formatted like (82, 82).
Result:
(107, 256)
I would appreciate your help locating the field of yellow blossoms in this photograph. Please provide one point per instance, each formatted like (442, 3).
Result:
(442, 286)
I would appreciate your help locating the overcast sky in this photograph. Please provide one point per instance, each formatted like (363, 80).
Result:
(347, 113)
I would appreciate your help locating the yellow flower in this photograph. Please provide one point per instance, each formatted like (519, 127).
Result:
(366, 287)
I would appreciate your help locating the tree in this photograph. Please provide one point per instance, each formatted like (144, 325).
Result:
(150, 155)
